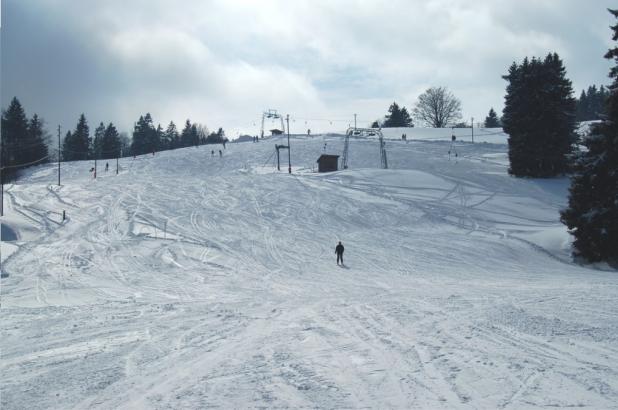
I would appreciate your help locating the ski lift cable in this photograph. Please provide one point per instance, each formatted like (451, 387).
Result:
(25, 164)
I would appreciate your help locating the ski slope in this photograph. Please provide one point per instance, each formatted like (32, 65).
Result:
(191, 281)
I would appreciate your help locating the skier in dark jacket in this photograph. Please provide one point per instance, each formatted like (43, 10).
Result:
(339, 252)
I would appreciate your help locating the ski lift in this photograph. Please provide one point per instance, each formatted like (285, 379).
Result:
(271, 115)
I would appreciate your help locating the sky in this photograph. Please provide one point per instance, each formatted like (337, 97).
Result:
(223, 62)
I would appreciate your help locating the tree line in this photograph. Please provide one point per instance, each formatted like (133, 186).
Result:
(26, 142)
(437, 107)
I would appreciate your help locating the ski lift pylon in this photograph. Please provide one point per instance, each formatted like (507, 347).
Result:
(272, 115)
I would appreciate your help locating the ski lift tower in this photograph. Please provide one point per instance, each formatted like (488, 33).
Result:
(364, 132)
(272, 115)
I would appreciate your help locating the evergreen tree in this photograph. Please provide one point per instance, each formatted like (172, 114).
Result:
(15, 144)
(195, 139)
(171, 137)
(592, 214)
(152, 137)
(375, 124)
(110, 144)
(68, 142)
(140, 144)
(158, 139)
(591, 103)
(186, 138)
(97, 144)
(539, 116)
(76, 145)
(397, 117)
(216, 137)
(406, 119)
(492, 121)
(38, 138)
(581, 113)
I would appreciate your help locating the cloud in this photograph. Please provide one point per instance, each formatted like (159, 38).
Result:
(222, 62)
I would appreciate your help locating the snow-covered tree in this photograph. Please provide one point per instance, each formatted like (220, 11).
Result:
(592, 214)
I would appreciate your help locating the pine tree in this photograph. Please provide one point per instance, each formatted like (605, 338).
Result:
(195, 139)
(171, 137)
(67, 144)
(152, 137)
(592, 213)
(158, 139)
(406, 119)
(76, 145)
(591, 103)
(539, 116)
(97, 144)
(140, 143)
(14, 139)
(397, 117)
(110, 144)
(492, 121)
(582, 110)
(186, 139)
(38, 138)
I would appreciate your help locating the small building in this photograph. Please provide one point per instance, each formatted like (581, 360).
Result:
(327, 163)
(275, 132)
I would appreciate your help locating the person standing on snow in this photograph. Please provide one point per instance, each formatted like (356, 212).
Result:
(339, 252)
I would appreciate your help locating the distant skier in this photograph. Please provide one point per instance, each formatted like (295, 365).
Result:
(106, 166)
(212, 153)
(339, 252)
(220, 153)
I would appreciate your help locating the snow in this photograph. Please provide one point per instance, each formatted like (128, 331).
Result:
(189, 281)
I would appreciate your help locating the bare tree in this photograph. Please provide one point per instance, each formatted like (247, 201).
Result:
(437, 107)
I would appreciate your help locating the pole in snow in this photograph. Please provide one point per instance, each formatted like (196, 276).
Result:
(287, 118)
(59, 155)
(472, 124)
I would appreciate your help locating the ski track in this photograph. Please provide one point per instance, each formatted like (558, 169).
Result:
(189, 281)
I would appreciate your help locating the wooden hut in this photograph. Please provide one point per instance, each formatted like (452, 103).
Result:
(327, 163)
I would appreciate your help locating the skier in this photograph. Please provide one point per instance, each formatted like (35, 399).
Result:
(106, 166)
(212, 153)
(220, 153)
(339, 252)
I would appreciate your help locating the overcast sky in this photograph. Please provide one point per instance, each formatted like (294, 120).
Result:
(223, 62)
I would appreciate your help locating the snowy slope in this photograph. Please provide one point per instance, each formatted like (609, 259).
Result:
(189, 281)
